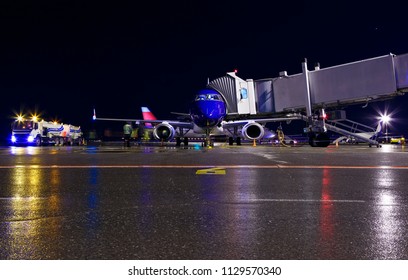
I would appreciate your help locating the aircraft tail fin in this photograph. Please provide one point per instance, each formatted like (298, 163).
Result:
(378, 130)
(148, 115)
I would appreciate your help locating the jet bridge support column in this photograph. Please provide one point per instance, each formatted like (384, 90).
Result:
(317, 131)
(308, 96)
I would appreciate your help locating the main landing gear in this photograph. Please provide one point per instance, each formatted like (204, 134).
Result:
(237, 140)
(319, 139)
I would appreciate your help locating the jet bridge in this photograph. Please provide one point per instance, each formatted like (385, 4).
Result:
(312, 91)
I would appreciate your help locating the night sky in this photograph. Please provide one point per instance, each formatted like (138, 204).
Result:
(63, 58)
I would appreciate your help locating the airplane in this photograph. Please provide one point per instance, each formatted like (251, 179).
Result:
(268, 136)
(207, 117)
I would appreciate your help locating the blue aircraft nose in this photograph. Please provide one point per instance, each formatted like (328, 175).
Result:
(208, 113)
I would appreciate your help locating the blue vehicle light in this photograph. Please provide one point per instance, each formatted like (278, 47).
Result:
(13, 139)
(30, 139)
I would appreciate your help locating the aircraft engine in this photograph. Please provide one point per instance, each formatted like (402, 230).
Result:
(164, 131)
(253, 131)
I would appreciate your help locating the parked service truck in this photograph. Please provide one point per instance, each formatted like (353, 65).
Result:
(35, 132)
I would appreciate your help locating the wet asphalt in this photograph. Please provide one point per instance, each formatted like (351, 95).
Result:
(151, 202)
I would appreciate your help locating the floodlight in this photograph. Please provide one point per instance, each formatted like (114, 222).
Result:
(385, 118)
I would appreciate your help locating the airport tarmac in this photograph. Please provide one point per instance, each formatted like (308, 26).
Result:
(149, 202)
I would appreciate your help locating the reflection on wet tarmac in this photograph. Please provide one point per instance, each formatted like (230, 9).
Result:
(389, 232)
(24, 150)
(154, 205)
(27, 198)
(26, 185)
(144, 197)
(327, 229)
(93, 198)
(244, 227)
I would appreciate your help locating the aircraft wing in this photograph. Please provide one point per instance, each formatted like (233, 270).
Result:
(174, 123)
(237, 123)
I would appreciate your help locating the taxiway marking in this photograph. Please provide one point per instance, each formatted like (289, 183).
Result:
(211, 171)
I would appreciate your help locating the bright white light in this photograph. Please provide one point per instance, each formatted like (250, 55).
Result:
(385, 118)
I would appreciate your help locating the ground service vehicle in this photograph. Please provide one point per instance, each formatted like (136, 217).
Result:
(35, 132)
(398, 140)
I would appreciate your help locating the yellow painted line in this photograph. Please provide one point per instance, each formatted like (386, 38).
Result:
(214, 171)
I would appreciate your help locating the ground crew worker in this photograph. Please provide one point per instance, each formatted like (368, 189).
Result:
(127, 131)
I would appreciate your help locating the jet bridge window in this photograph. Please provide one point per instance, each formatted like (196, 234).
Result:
(244, 93)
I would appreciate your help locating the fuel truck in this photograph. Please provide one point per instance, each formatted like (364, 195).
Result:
(39, 133)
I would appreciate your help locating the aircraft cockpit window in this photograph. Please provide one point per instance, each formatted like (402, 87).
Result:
(213, 97)
(200, 97)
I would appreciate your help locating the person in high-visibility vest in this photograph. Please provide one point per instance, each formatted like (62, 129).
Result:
(127, 131)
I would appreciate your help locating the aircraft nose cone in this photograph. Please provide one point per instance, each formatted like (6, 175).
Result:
(209, 113)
